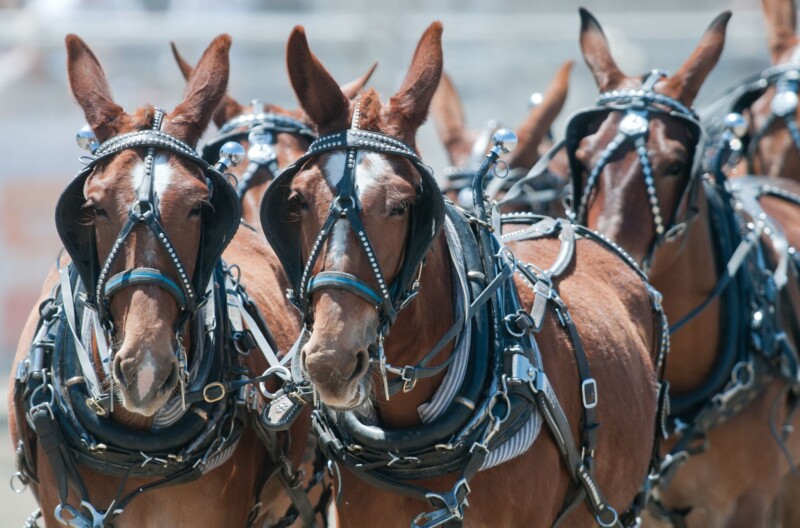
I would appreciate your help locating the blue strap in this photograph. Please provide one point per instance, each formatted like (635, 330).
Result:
(145, 276)
(344, 281)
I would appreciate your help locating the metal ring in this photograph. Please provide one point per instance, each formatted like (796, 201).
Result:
(739, 369)
(18, 477)
(280, 371)
(505, 170)
(507, 320)
(613, 521)
(214, 385)
(506, 253)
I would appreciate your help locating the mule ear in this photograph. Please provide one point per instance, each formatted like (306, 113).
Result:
(688, 79)
(227, 109)
(318, 93)
(204, 91)
(448, 116)
(90, 87)
(534, 129)
(351, 89)
(597, 53)
(780, 18)
(186, 69)
(409, 107)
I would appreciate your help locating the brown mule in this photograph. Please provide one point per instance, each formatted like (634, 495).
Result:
(769, 101)
(283, 136)
(395, 200)
(461, 143)
(664, 217)
(145, 317)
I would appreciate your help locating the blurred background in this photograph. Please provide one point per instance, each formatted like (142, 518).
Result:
(497, 52)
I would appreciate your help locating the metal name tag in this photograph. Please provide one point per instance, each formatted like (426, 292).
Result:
(280, 413)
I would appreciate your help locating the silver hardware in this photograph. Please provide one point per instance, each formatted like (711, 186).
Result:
(784, 103)
(18, 482)
(505, 140)
(535, 100)
(86, 139)
(230, 155)
(541, 294)
(522, 371)
(280, 371)
(633, 124)
(589, 393)
(736, 123)
(258, 106)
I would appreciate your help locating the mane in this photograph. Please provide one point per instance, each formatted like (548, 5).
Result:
(374, 117)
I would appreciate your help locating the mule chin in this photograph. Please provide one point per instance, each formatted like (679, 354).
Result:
(351, 397)
(147, 408)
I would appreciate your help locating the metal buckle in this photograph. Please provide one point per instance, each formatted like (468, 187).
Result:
(522, 371)
(409, 382)
(210, 398)
(589, 393)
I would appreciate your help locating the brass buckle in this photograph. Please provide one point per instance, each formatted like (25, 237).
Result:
(211, 398)
(94, 405)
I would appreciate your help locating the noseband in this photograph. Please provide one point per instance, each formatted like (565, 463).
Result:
(261, 130)
(638, 107)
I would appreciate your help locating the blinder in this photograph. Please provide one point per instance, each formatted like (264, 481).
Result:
(260, 128)
(219, 223)
(282, 228)
(637, 107)
(783, 108)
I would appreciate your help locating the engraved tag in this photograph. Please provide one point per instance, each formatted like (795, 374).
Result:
(279, 414)
(541, 295)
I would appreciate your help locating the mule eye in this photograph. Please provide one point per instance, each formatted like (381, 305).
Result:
(675, 169)
(95, 209)
(399, 210)
(299, 199)
(196, 211)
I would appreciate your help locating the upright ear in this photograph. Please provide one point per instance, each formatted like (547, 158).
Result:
(780, 18)
(204, 91)
(351, 89)
(687, 80)
(319, 94)
(408, 108)
(90, 87)
(597, 53)
(448, 116)
(227, 109)
(533, 130)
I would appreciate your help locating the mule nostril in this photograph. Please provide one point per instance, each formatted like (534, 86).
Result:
(118, 373)
(361, 365)
(170, 380)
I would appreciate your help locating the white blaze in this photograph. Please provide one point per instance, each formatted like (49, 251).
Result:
(162, 171)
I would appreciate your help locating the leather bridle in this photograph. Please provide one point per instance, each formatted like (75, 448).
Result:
(638, 107)
(260, 128)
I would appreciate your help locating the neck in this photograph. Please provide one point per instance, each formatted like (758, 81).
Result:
(417, 330)
(685, 270)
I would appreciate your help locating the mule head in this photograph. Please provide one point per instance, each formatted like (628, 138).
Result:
(460, 141)
(145, 316)
(344, 326)
(775, 152)
(620, 204)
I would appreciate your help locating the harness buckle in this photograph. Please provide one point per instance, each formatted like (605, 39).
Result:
(589, 393)
(522, 371)
(18, 482)
(409, 381)
(209, 395)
